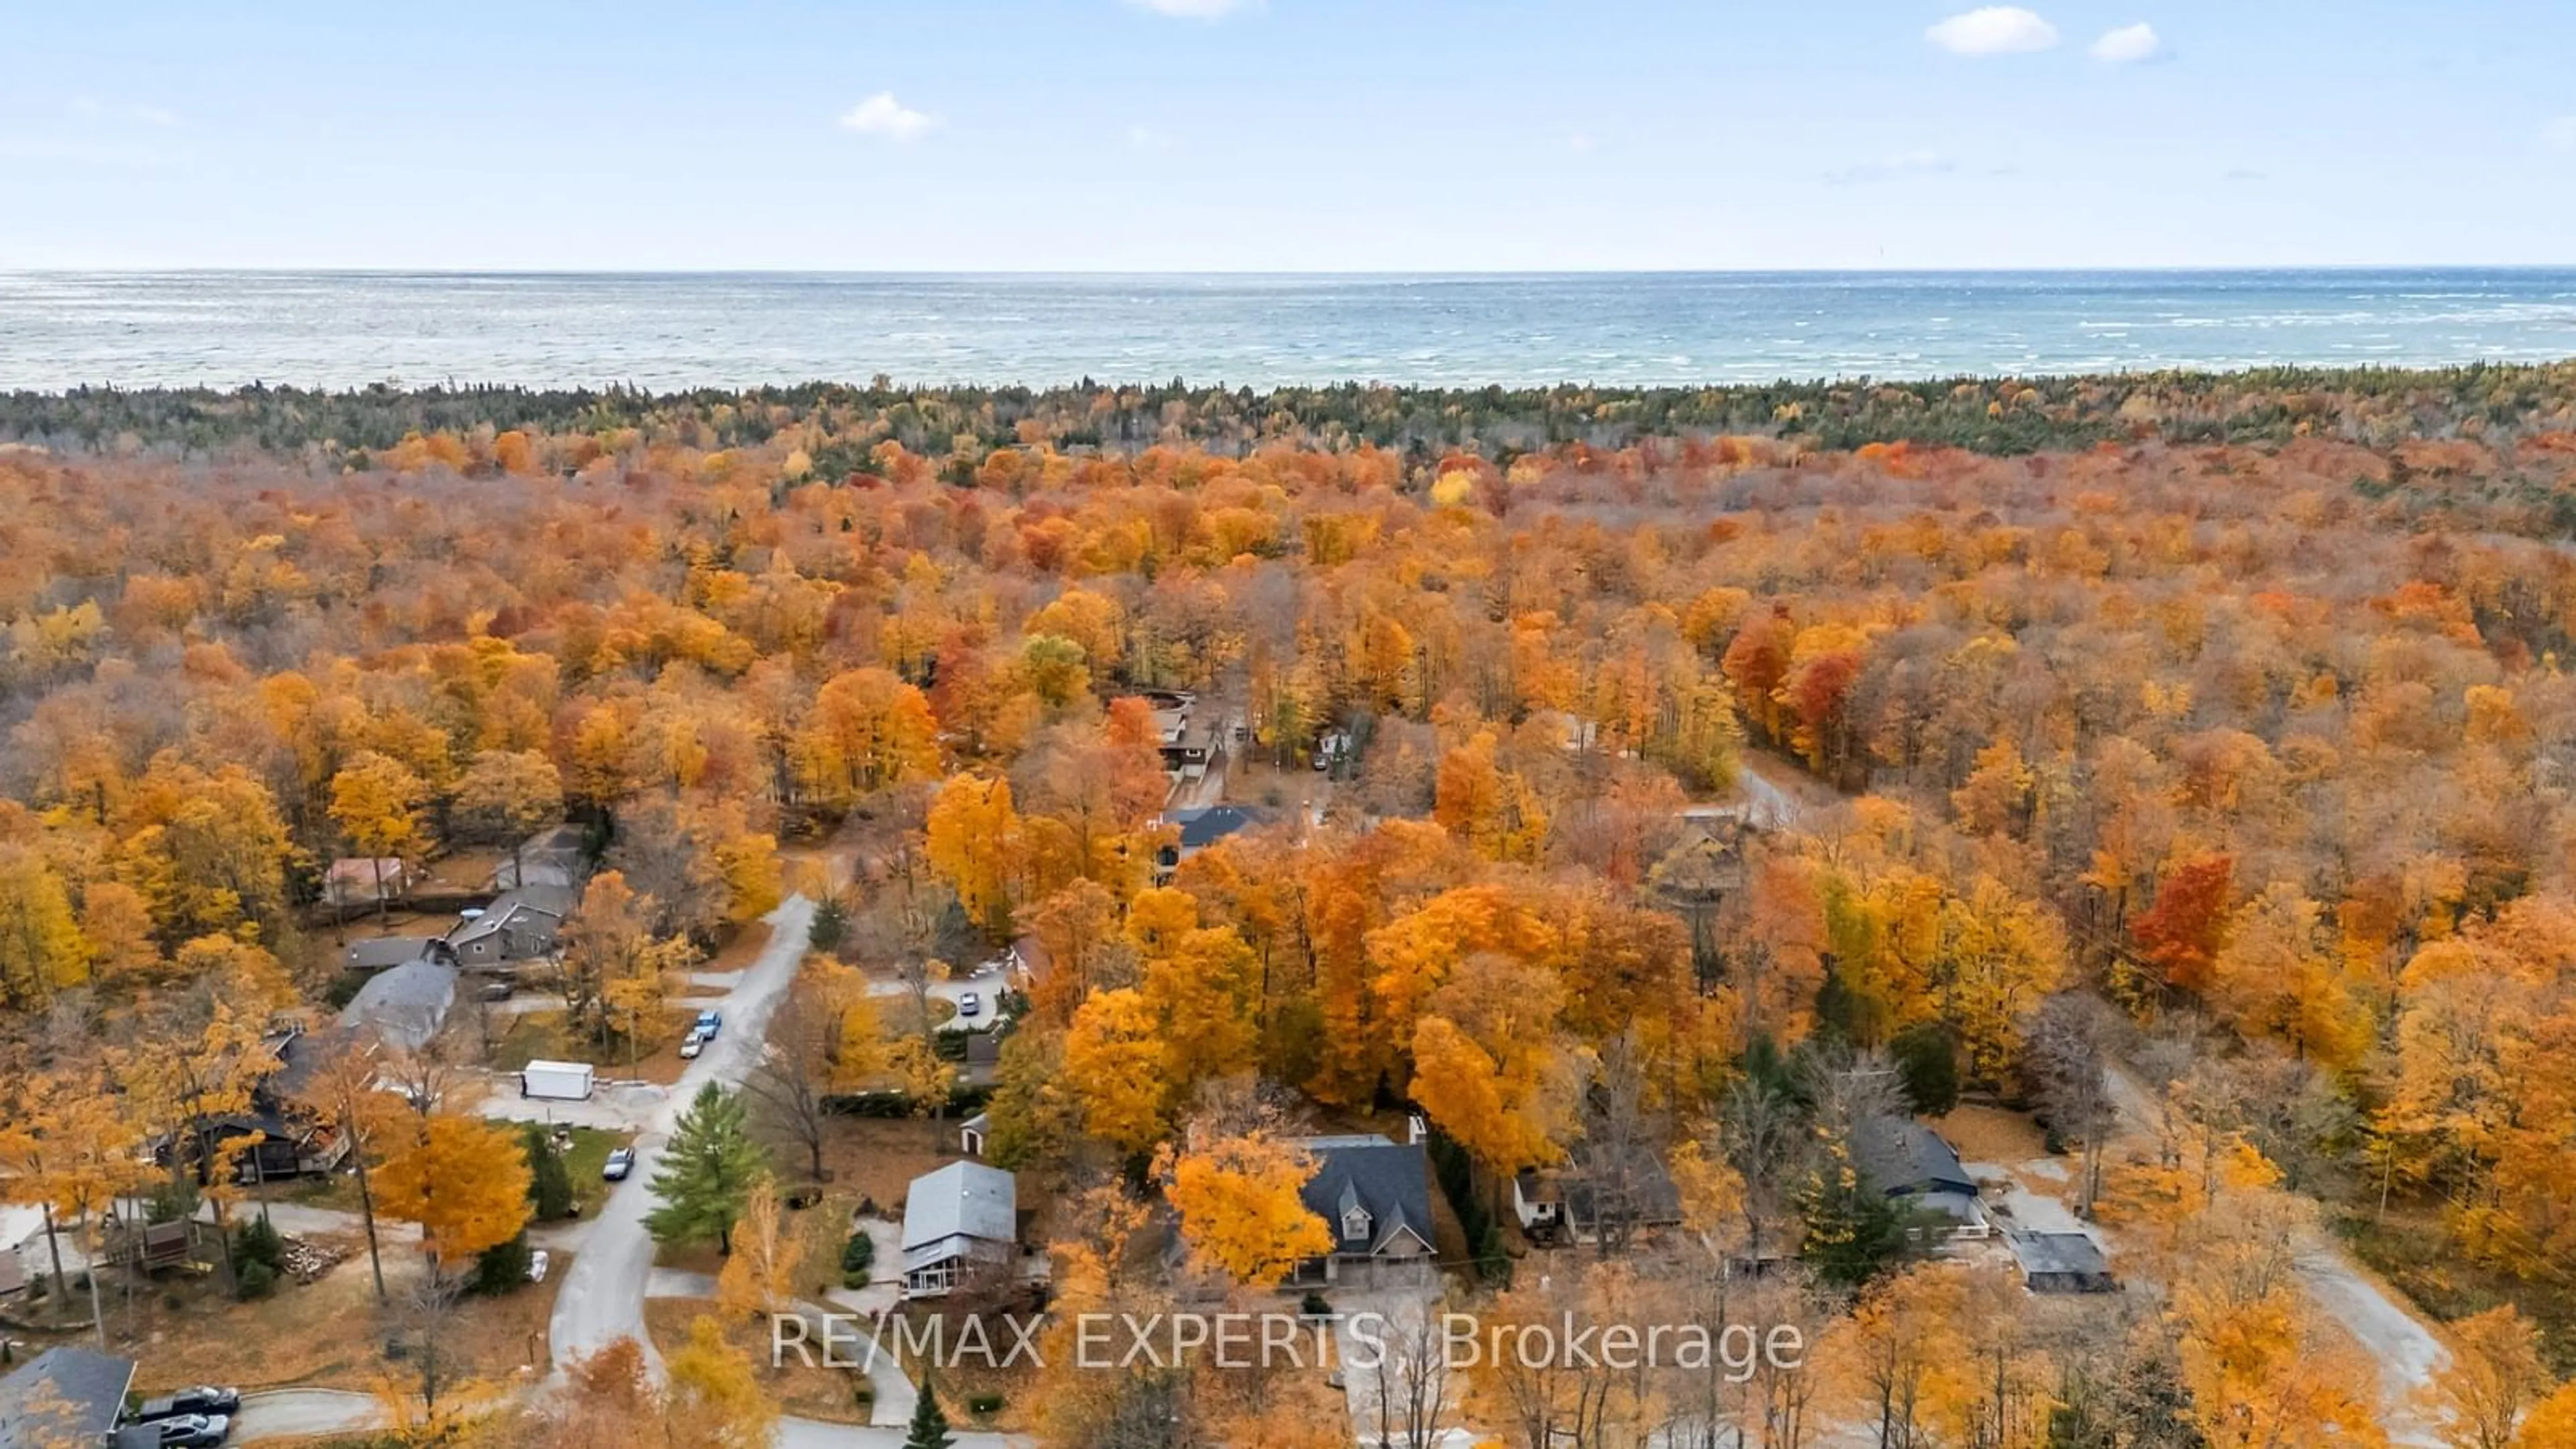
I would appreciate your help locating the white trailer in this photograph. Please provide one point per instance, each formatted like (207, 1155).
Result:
(556, 1081)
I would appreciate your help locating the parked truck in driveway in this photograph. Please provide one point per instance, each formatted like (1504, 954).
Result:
(556, 1081)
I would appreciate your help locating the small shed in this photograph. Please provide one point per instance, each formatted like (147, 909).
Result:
(972, 1132)
(2062, 1262)
(383, 953)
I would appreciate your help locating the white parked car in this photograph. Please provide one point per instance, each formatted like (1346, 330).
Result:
(538, 1262)
(970, 1004)
(691, 1045)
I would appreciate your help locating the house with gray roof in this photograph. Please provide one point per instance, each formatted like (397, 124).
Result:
(404, 1007)
(63, 1396)
(1374, 1195)
(1200, 827)
(521, 924)
(1602, 1194)
(1916, 1170)
(959, 1222)
(383, 953)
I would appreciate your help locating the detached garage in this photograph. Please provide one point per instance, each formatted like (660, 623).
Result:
(556, 1081)
(2062, 1263)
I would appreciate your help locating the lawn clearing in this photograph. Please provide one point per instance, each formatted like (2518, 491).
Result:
(545, 1036)
(1991, 1134)
(877, 1158)
(327, 1334)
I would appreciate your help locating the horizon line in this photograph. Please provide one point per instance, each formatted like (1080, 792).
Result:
(1356, 274)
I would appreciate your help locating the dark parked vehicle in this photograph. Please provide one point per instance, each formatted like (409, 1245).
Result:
(203, 1399)
(708, 1022)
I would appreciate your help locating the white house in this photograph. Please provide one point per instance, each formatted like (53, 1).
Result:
(963, 1217)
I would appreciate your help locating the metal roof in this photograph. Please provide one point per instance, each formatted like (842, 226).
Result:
(378, 952)
(2058, 1252)
(963, 1199)
(406, 1005)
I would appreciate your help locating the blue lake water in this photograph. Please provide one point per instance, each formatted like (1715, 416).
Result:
(725, 330)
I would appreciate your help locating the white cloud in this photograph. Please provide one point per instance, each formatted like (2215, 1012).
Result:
(1146, 138)
(2560, 134)
(1195, 9)
(1911, 163)
(882, 115)
(2129, 44)
(1994, 30)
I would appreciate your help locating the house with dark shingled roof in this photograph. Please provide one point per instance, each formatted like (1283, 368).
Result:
(1374, 1195)
(63, 1396)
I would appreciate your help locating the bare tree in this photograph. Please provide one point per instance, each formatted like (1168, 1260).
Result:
(790, 1085)
(1622, 1137)
(2069, 1039)
(1410, 1379)
(422, 1320)
(1763, 1136)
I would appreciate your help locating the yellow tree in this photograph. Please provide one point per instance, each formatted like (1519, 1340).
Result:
(867, 730)
(463, 1180)
(505, 794)
(2551, 1424)
(1113, 1059)
(715, 1400)
(925, 1080)
(342, 1095)
(2275, 977)
(1240, 1210)
(375, 800)
(41, 946)
(974, 844)
(1510, 1111)
(183, 1074)
(1488, 807)
(2495, 1374)
(754, 880)
(68, 1144)
(759, 1275)
(207, 850)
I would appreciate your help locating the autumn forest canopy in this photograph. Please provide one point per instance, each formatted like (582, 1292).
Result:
(2213, 729)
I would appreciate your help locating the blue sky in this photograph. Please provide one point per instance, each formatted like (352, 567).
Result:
(1287, 134)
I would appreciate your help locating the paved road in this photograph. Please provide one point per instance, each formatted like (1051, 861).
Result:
(2405, 1350)
(304, 1414)
(987, 980)
(602, 1298)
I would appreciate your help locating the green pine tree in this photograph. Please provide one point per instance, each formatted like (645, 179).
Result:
(929, 1428)
(706, 1173)
(1848, 1230)
(549, 1180)
(830, 926)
